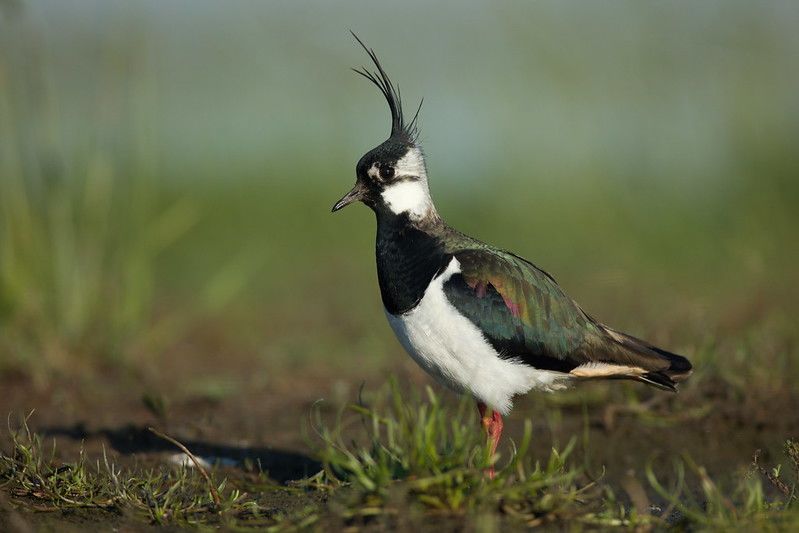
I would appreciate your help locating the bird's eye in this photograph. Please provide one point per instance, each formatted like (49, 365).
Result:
(387, 172)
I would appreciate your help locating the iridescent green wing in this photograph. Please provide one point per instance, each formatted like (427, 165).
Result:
(521, 310)
(525, 315)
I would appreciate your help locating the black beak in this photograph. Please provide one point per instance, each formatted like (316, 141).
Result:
(354, 195)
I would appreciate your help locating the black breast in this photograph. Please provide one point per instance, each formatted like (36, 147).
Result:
(407, 259)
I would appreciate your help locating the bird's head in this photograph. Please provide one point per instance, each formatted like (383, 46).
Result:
(392, 177)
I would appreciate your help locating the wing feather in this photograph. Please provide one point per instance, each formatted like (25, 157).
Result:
(525, 315)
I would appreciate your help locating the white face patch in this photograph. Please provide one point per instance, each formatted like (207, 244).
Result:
(410, 194)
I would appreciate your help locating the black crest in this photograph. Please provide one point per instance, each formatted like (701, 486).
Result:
(400, 130)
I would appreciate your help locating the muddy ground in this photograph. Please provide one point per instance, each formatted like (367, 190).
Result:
(251, 427)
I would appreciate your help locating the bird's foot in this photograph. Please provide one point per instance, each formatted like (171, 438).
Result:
(492, 425)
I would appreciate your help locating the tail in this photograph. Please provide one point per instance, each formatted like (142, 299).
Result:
(679, 369)
(657, 367)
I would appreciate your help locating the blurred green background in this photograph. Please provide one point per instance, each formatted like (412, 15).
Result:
(167, 171)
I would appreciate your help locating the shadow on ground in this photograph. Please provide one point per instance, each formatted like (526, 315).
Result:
(281, 465)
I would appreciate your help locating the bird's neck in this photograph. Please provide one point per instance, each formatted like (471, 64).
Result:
(409, 254)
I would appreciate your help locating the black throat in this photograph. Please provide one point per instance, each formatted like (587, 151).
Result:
(408, 258)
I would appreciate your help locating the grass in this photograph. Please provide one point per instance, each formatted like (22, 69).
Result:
(397, 462)
(161, 495)
(420, 454)
(80, 233)
(744, 506)
(84, 227)
(77, 273)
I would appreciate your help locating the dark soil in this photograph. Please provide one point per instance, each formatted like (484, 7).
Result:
(254, 429)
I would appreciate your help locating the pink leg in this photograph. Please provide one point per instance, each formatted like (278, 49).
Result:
(492, 425)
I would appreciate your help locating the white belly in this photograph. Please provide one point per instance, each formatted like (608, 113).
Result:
(454, 351)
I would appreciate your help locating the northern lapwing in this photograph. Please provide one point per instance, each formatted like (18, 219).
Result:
(481, 320)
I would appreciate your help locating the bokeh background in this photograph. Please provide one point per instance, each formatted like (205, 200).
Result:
(167, 171)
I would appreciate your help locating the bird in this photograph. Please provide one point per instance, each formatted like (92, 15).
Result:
(480, 320)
